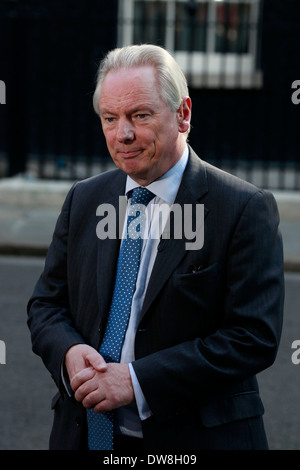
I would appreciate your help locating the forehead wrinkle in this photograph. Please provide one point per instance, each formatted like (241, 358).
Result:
(125, 89)
(131, 102)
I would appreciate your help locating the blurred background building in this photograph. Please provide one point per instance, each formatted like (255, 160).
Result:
(241, 58)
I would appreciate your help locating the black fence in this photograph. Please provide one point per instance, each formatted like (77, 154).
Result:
(245, 120)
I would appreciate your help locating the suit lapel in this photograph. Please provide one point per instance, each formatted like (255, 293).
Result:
(172, 250)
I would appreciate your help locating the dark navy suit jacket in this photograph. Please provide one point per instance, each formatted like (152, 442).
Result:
(211, 318)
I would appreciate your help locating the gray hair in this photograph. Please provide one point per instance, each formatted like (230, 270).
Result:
(172, 82)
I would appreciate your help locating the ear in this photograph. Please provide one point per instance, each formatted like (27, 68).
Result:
(184, 114)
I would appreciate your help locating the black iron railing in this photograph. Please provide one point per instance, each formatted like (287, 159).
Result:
(244, 118)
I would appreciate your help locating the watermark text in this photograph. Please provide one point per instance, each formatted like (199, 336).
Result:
(296, 94)
(2, 92)
(296, 354)
(2, 352)
(178, 222)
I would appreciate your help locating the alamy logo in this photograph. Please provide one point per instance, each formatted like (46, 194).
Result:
(296, 354)
(167, 222)
(2, 92)
(2, 353)
(296, 94)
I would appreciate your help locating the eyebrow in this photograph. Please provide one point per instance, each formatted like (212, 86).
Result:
(106, 111)
(134, 110)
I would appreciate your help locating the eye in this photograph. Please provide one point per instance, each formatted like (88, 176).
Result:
(109, 119)
(141, 116)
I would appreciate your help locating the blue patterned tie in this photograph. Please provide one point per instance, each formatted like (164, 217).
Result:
(100, 425)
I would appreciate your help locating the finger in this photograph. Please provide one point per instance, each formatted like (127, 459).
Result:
(84, 391)
(81, 377)
(95, 360)
(102, 406)
(92, 399)
(86, 388)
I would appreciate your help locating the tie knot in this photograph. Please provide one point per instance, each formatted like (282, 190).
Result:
(141, 195)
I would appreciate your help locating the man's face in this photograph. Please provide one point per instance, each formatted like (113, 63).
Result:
(144, 137)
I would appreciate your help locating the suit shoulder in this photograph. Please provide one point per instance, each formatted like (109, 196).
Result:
(105, 178)
(101, 185)
(230, 193)
(228, 190)
(92, 191)
(218, 182)
(225, 183)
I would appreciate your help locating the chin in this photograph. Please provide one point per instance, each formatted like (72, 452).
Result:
(131, 168)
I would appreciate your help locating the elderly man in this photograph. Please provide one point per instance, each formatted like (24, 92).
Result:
(153, 345)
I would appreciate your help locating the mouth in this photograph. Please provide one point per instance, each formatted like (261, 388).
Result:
(129, 154)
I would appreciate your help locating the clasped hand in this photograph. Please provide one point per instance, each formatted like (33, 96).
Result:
(97, 384)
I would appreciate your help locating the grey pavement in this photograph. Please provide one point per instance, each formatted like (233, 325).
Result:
(29, 210)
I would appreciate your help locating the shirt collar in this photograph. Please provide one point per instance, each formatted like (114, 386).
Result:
(167, 185)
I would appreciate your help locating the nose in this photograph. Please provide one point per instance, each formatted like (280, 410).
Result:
(125, 131)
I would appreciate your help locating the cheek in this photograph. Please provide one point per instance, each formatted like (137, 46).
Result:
(164, 137)
(144, 135)
(154, 138)
(110, 138)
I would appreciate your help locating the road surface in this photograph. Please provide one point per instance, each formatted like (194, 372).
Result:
(27, 389)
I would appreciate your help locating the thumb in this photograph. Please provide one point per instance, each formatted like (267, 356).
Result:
(95, 360)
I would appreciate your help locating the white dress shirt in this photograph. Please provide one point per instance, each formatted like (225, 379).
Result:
(165, 189)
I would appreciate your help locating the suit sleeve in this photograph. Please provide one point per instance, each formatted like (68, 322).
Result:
(248, 335)
(49, 320)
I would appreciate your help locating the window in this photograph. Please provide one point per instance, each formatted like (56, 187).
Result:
(214, 41)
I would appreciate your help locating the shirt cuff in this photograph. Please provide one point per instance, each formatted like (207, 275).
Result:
(65, 379)
(142, 406)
